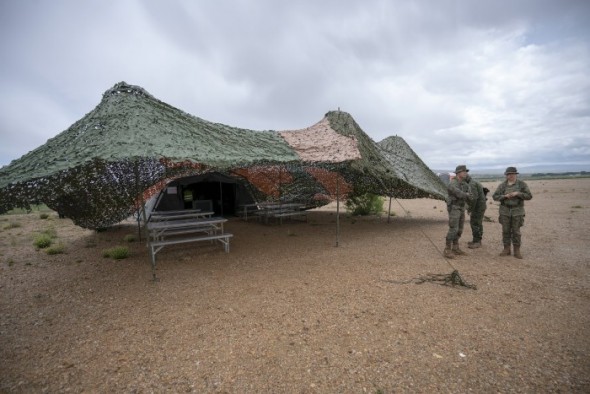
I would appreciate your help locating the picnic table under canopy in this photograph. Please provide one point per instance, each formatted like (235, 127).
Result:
(131, 146)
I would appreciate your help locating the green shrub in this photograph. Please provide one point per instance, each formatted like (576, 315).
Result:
(43, 215)
(117, 253)
(129, 238)
(56, 249)
(364, 204)
(42, 241)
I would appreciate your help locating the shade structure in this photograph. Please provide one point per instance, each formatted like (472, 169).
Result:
(417, 179)
(128, 148)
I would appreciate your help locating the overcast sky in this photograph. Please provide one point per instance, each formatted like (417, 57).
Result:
(488, 83)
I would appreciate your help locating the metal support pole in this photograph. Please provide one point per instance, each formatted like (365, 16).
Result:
(221, 197)
(389, 211)
(337, 211)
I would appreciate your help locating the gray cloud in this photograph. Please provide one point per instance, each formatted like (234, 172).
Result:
(482, 83)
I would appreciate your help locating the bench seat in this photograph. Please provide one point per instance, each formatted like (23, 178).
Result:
(156, 246)
(204, 229)
(280, 214)
(290, 213)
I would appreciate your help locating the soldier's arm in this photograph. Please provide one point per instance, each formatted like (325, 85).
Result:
(454, 190)
(499, 193)
(525, 192)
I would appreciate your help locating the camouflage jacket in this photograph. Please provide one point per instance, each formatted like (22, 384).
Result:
(459, 193)
(512, 206)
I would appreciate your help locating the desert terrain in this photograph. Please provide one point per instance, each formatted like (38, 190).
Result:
(288, 311)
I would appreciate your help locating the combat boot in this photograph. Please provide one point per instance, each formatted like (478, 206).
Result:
(448, 253)
(517, 252)
(474, 245)
(506, 251)
(458, 250)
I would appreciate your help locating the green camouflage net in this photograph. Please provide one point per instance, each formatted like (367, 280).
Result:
(101, 169)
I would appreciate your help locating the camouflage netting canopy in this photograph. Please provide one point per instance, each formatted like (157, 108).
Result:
(407, 166)
(101, 169)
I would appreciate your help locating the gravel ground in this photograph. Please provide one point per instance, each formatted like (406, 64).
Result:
(288, 312)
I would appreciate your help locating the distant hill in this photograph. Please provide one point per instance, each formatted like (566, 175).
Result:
(529, 170)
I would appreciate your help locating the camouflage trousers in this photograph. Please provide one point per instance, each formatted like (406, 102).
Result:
(476, 223)
(456, 222)
(511, 229)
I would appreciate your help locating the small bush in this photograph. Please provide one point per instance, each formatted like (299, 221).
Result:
(365, 204)
(56, 249)
(42, 241)
(117, 253)
(43, 215)
(129, 238)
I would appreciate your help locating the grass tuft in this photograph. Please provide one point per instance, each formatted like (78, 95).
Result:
(129, 238)
(56, 249)
(117, 253)
(42, 241)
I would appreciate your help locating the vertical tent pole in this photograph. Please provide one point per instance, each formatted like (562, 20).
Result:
(280, 181)
(280, 191)
(221, 197)
(389, 212)
(138, 224)
(337, 211)
(235, 204)
(140, 210)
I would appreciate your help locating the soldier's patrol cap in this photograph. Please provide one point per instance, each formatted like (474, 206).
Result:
(461, 168)
(510, 170)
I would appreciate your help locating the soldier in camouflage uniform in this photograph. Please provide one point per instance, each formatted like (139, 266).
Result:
(459, 195)
(476, 210)
(512, 193)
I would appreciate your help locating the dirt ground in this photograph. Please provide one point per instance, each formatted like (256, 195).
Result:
(286, 311)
